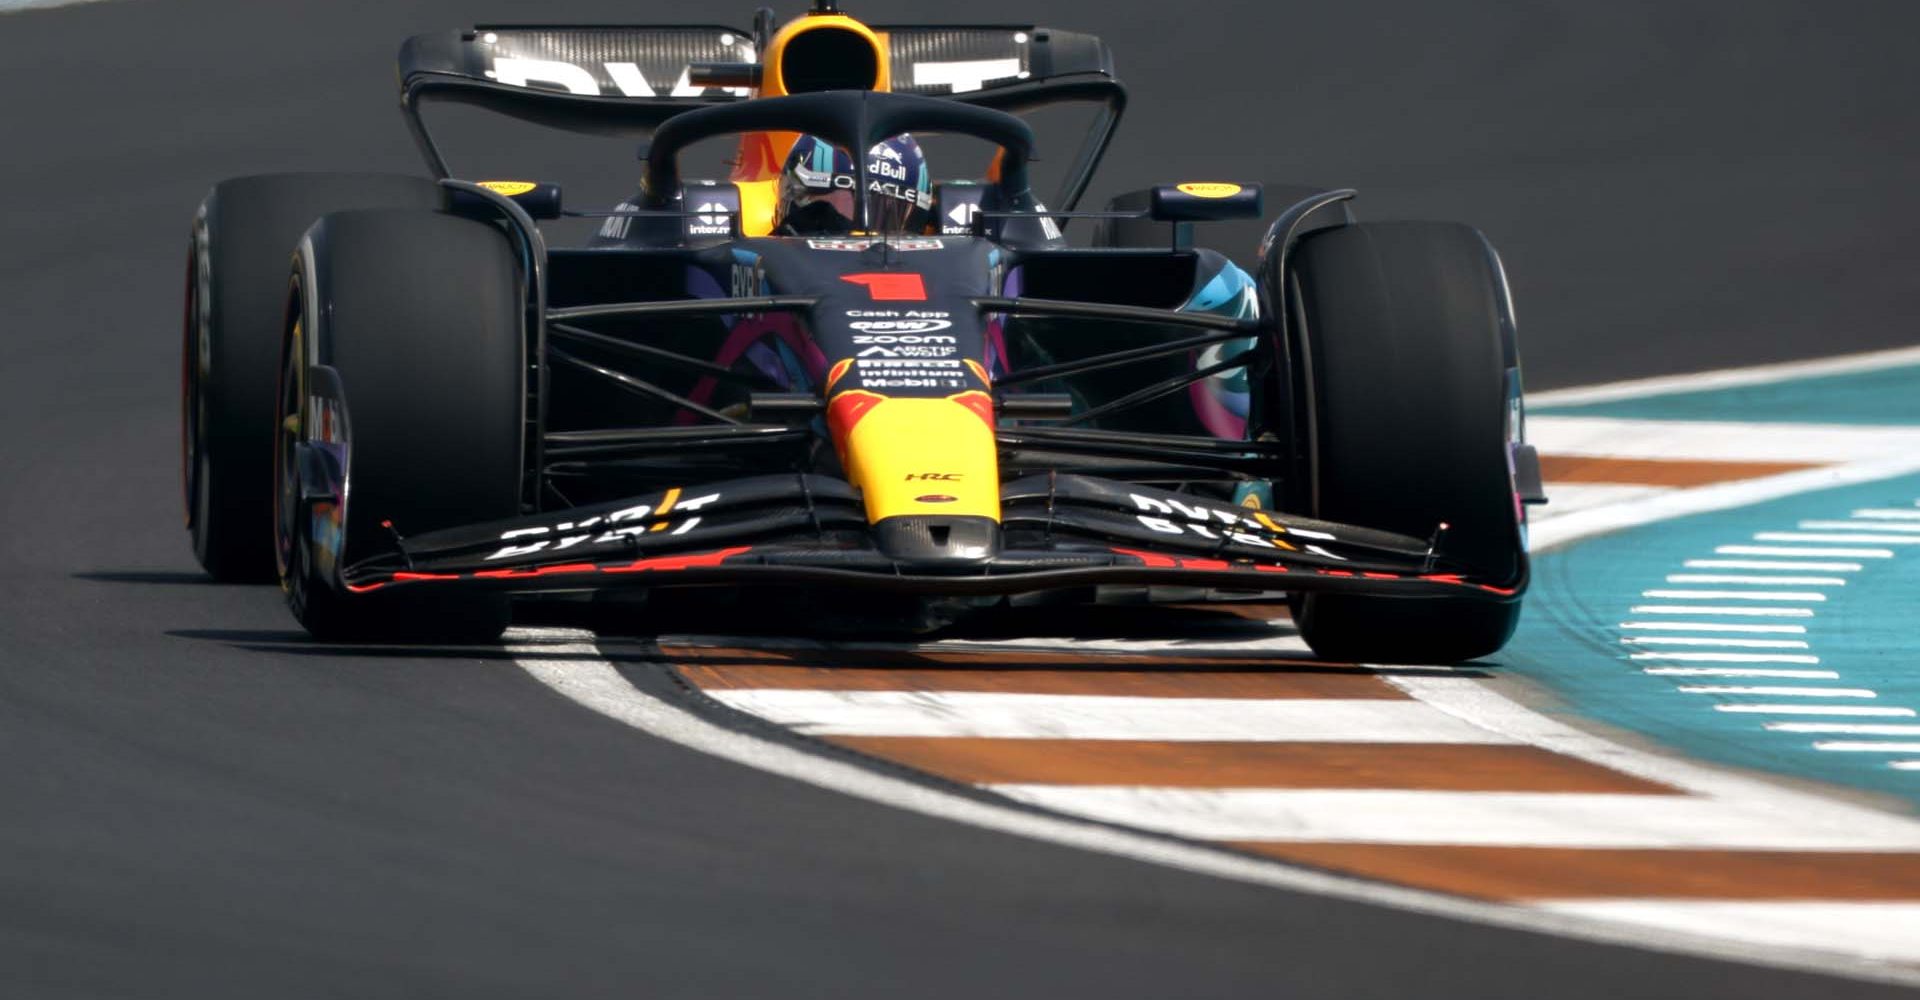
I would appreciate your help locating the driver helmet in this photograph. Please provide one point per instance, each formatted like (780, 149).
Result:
(817, 189)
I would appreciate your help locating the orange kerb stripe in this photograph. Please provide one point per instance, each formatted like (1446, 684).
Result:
(1167, 682)
(1656, 471)
(1549, 872)
(1427, 767)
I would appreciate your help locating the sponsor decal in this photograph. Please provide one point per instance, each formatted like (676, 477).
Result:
(508, 188)
(626, 78)
(714, 219)
(857, 245)
(746, 279)
(608, 529)
(1177, 517)
(1208, 189)
(933, 477)
(883, 351)
(889, 287)
(960, 220)
(935, 498)
(902, 329)
(910, 373)
(900, 192)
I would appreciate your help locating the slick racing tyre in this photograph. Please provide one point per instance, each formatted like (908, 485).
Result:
(1412, 387)
(404, 386)
(236, 301)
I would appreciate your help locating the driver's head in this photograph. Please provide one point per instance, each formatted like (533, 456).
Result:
(817, 195)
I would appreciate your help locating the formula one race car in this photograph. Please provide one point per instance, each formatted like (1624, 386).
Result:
(832, 377)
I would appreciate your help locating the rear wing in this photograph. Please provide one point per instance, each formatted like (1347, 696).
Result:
(624, 80)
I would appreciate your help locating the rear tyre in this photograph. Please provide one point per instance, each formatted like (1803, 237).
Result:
(236, 300)
(418, 318)
(1413, 410)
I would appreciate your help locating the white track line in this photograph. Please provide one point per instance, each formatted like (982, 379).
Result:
(1556, 531)
(1834, 536)
(1781, 550)
(1533, 819)
(1847, 728)
(1866, 746)
(1101, 717)
(1902, 529)
(1727, 378)
(1796, 596)
(1694, 640)
(1904, 765)
(1879, 710)
(1889, 513)
(1728, 657)
(1803, 675)
(1832, 567)
(1889, 931)
(1717, 440)
(1776, 581)
(1694, 609)
(1717, 627)
(1788, 692)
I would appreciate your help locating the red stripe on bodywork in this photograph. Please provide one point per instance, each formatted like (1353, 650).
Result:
(884, 287)
(698, 559)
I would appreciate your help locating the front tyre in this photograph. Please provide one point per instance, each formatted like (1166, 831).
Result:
(402, 390)
(236, 299)
(1412, 385)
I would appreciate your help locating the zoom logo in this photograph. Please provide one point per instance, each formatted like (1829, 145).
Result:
(899, 326)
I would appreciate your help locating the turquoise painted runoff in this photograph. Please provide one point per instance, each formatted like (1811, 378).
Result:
(1867, 631)
(1887, 396)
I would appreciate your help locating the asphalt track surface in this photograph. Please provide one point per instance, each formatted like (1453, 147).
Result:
(197, 802)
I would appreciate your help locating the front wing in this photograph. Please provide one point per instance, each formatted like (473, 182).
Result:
(1056, 531)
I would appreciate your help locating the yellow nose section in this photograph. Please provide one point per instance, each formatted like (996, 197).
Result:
(919, 456)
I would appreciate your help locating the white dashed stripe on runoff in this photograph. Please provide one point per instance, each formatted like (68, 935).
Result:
(1866, 746)
(1102, 717)
(1695, 640)
(1881, 930)
(1805, 675)
(1540, 819)
(1831, 567)
(1717, 611)
(1739, 627)
(1857, 526)
(1889, 513)
(1796, 596)
(1904, 765)
(1781, 550)
(1790, 692)
(1727, 657)
(1850, 728)
(1880, 710)
(1834, 536)
(1776, 581)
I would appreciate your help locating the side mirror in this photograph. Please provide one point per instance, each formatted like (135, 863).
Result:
(1204, 201)
(541, 201)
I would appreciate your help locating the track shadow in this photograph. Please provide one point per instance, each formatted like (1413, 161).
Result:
(627, 634)
(151, 577)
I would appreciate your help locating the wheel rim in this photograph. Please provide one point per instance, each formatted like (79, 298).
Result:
(287, 437)
(193, 337)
